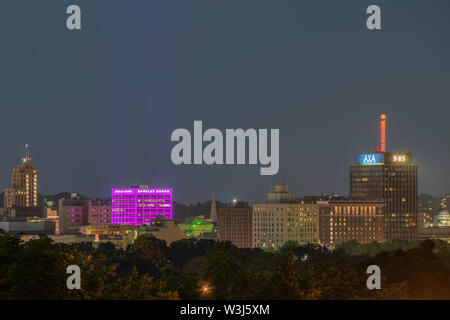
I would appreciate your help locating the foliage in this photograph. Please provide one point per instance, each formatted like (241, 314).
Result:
(207, 269)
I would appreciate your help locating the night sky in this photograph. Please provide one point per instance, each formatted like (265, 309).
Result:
(98, 106)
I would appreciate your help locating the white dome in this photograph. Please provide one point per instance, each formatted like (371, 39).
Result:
(444, 213)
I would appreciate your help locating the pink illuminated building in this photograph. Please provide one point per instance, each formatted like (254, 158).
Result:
(139, 206)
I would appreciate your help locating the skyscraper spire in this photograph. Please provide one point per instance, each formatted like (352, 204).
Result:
(383, 132)
(213, 213)
(27, 153)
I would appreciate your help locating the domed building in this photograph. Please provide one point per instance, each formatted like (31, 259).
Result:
(442, 219)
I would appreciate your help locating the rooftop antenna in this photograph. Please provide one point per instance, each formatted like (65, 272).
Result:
(27, 153)
(383, 132)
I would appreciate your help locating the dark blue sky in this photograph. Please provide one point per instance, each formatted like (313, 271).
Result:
(98, 105)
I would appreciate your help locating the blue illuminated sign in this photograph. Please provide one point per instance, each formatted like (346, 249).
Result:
(375, 158)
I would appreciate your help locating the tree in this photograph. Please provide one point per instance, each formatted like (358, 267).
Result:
(38, 271)
(220, 275)
(152, 248)
(288, 246)
(138, 287)
(285, 282)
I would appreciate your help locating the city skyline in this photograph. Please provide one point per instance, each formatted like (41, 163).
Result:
(274, 180)
(102, 118)
(225, 158)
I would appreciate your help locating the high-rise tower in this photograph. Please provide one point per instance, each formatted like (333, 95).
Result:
(392, 178)
(23, 192)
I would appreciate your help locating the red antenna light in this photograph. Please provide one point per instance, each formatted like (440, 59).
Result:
(383, 132)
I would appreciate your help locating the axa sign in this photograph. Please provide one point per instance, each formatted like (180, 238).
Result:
(370, 158)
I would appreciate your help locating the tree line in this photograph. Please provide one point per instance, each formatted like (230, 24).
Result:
(207, 269)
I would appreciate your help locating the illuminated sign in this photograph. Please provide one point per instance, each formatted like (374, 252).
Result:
(153, 191)
(142, 191)
(124, 191)
(374, 158)
(399, 158)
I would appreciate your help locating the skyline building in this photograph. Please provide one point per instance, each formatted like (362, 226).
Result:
(140, 205)
(283, 218)
(75, 213)
(441, 204)
(23, 192)
(236, 224)
(391, 178)
(344, 220)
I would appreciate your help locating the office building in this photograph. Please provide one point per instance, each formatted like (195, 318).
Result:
(99, 213)
(283, 218)
(108, 231)
(74, 213)
(345, 220)
(23, 192)
(391, 178)
(27, 226)
(140, 205)
(236, 224)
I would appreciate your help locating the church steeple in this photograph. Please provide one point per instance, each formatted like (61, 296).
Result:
(213, 213)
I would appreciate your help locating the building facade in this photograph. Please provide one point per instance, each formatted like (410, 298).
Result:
(23, 192)
(391, 178)
(442, 219)
(441, 204)
(345, 220)
(108, 231)
(99, 213)
(27, 226)
(140, 205)
(74, 213)
(236, 224)
(51, 214)
(282, 218)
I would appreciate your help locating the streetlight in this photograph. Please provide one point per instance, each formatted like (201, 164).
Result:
(205, 289)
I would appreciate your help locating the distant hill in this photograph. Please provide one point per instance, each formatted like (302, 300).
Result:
(181, 211)
(56, 197)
